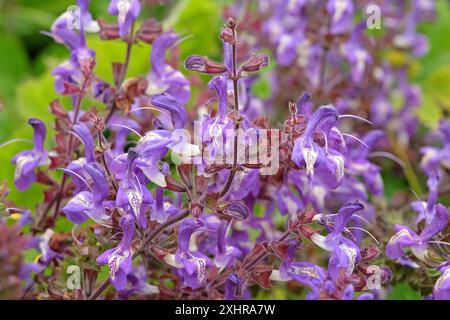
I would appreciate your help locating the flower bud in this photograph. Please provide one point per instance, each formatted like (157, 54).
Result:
(231, 23)
(370, 253)
(149, 31)
(204, 65)
(108, 31)
(236, 210)
(256, 62)
(227, 35)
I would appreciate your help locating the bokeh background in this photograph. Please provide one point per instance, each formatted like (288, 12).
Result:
(27, 58)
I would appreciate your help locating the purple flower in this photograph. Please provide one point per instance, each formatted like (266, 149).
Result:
(138, 284)
(193, 265)
(307, 274)
(341, 12)
(215, 129)
(151, 148)
(63, 29)
(345, 253)
(133, 196)
(163, 77)
(76, 167)
(119, 259)
(69, 74)
(233, 287)
(162, 210)
(407, 238)
(169, 104)
(325, 162)
(441, 290)
(27, 161)
(433, 157)
(120, 126)
(356, 54)
(225, 254)
(127, 12)
(90, 203)
(361, 166)
(47, 254)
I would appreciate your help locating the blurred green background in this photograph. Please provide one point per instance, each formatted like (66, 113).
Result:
(27, 58)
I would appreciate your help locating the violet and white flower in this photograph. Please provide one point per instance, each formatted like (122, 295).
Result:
(119, 259)
(91, 204)
(127, 12)
(27, 161)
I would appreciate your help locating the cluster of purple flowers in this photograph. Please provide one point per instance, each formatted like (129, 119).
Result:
(201, 229)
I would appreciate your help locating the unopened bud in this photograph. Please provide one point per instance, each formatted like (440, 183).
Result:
(236, 210)
(149, 31)
(227, 35)
(231, 23)
(256, 62)
(204, 65)
(108, 31)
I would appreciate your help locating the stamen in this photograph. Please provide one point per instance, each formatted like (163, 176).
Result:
(440, 242)
(357, 139)
(420, 201)
(76, 174)
(325, 139)
(353, 215)
(361, 218)
(180, 40)
(367, 232)
(151, 108)
(74, 235)
(387, 155)
(76, 135)
(14, 210)
(355, 117)
(126, 127)
(14, 141)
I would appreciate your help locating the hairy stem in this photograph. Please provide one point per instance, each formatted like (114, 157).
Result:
(236, 124)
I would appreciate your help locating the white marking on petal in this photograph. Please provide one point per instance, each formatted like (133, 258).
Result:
(135, 200)
(115, 260)
(319, 240)
(276, 276)
(351, 254)
(81, 200)
(310, 157)
(21, 162)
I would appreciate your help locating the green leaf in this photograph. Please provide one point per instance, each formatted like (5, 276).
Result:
(202, 20)
(13, 65)
(403, 291)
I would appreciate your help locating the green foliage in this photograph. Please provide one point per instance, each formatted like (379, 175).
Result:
(435, 68)
(202, 20)
(403, 291)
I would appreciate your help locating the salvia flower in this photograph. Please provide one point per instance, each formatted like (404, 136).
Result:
(407, 238)
(324, 161)
(441, 290)
(90, 204)
(119, 258)
(27, 161)
(127, 12)
(194, 264)
(133, 196)
(163, 78)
